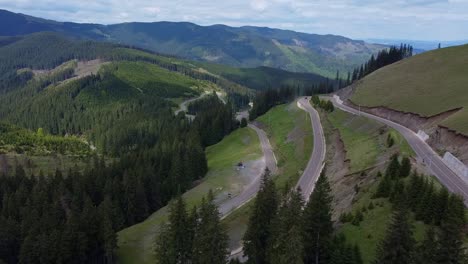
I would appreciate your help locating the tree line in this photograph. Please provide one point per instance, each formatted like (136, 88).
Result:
(265, 100)
(383, 58)
(326, 105)
(197, 237)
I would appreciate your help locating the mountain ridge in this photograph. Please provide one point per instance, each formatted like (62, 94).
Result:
(246, 46)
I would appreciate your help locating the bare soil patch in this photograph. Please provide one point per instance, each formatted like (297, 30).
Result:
(440, 138)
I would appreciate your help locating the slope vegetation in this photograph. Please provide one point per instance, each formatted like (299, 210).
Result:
(426, 84)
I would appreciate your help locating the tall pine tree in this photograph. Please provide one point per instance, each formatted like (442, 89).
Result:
(259, 228)
(285, 244)
(210, 242)
(398, 244)
(318, 226)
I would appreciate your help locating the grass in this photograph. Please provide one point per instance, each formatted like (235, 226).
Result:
(372, 229)
(360, 137)
(426, 84)
(405, 148)
(136, 242)
(356, 132)
(290, 133)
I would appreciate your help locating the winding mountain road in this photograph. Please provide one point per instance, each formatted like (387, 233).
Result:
(432, 160)
(251, 190)
(316, 162)
(309, 176)
(183, 107)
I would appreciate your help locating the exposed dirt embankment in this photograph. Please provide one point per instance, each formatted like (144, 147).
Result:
(337, 169)
(440, 138)
(443, 138)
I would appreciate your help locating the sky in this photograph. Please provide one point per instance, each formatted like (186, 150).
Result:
(441, 20)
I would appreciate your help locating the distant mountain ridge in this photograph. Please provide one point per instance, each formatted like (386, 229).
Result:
(246, 46)
(419, 45)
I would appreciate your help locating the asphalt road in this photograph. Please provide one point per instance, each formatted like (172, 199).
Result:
(251, 190)
(183, 106)
(425, 153)
(312, 171)
(316, 162)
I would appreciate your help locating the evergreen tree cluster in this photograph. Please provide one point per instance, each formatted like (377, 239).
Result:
(239, 101)
(73, 219)
(213, 119)
(197, 237)
(265, 100)
(326, 105)
(384, 57)
(442, 211)
(283, 229)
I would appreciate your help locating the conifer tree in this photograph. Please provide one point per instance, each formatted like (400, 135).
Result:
(259, 227)
(450, 248)
(393, 169)
(285, 244)
(107, 233)
(385, 186)
(405, 168)
(318, 226)
(357, 255)
(210, 242)
(174, 245)
(441, 206)
(425, 210)
(426, 253)
(398, 244)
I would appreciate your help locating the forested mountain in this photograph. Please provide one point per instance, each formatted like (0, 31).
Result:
(240, 47)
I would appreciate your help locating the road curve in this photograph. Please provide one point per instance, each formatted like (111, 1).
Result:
(183, 107)
(251, 190)
(314, 166)
(432, 160)
(316, 162)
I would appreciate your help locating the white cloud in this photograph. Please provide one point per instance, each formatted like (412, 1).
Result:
(411, 19)
(152, 10)
(259, 5)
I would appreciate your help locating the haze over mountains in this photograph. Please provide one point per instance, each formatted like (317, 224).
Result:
(419, 45)
(241, 47)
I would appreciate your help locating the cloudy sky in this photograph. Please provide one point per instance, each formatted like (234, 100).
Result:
(402, 19)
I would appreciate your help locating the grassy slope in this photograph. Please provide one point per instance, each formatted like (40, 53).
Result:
(136, 242)
(363, 143)
(427, 84)
(360, 137)
(281, 122)
(290, 134)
